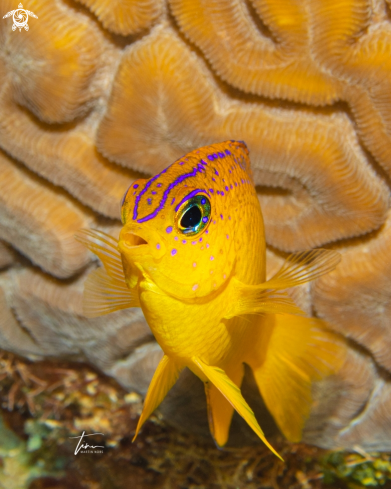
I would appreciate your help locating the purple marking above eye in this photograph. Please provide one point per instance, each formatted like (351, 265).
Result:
(221, 155)
(135, 185)
(205, 219)
(203, 201)
(169, 229)
(211, 190)
(227, 152)
(210, 157)
(173, 252)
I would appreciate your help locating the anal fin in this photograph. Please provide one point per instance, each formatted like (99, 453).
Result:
(220, 411)
(232, 393)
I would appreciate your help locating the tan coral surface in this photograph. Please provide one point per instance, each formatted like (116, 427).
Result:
(97, 93)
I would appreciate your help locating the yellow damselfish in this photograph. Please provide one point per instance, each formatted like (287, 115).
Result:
(192, 255)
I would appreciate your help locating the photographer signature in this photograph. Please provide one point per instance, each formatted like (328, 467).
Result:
(85, 446)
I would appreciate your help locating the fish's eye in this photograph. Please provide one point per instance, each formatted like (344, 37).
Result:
(193, 215)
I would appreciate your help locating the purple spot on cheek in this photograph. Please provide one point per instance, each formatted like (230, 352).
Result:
(169, 229)
(200, 240)
(210, 157)
(221, 155)
(184, 241)
(226, 188)
(194, 264)
(221, 193)
(205, 219)
(212, 258)
(135, 185)
(158, 246)
(176, 238)
(218, 192)
(215, 156)
(153, 192)
(213, 180)
(229, 217)
(173, 200)
(194, 242)
(207, 245)
(221, 215)
(227, 152)
(149, 201)
(195, 286)
(211, 190)
(173, 252)
(231, 187)
(207, 231)
(159, 185)
(203, 201)
(216, 172)
(227, 236)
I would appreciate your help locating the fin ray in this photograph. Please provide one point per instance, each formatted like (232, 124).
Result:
(165, 376)
(220, 411)
(296, 352)
(233, 395)
(303, 267)
(103, 294)
(105, 247)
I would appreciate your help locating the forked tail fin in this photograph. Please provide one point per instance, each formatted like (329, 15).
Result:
(287, 354)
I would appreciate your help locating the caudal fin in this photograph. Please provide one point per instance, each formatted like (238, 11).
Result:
(287, 354)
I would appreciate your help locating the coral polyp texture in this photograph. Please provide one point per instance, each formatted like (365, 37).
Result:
(97, 94)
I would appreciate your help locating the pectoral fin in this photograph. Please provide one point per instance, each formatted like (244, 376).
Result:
(303, 267)
(165, 376)
(233, 395)
(290, 353)
(105, 290)
(220, 411)
(268, 298)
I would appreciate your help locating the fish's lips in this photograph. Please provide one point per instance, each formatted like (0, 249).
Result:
(137, 243)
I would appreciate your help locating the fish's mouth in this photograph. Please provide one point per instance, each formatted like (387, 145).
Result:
(139, 242)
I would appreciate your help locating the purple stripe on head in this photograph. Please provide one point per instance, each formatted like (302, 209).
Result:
(146, 187)
(222, 155)
(176, 182)
(189, 196)
(210, 157)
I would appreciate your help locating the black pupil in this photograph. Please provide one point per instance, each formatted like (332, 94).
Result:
(191, 217)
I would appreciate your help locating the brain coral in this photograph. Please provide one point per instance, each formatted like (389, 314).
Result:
(97, 93)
